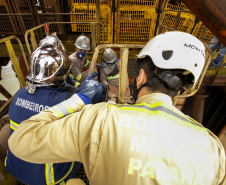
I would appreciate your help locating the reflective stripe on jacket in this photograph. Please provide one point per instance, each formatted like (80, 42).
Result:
(149, 143)
(105, 77)
(23, 106)
(112, 77)
(77, 66)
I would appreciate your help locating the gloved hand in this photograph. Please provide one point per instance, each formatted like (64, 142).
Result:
(69, 88)
(93, 89)
(100, 65)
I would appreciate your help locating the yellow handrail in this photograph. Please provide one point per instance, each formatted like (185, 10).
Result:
(33, 39)
(13, 58)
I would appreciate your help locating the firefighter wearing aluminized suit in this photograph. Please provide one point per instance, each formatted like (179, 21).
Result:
(109, 74)
(79, 60)
(148, 143)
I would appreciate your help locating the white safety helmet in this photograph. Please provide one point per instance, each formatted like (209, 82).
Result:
(49, 65)
(176, 50)
(109, 55)
(83, 43)
(49, 40)
(52, 40)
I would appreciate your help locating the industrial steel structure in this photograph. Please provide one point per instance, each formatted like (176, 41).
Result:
(125, 25)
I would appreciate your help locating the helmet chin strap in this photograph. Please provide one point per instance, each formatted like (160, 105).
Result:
(30, 88)
(170, 78)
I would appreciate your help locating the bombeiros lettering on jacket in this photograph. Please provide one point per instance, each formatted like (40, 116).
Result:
(158, 168)
(30, 105)
(196, 48)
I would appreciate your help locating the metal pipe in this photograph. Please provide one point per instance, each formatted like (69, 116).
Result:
(161, 17)
(222, 131)
(159, 13)
(16, 14)
(124, 54)
(93, 34)
(198, 104)
(42, 25)
(96, 52)
(114, 8)
(124, 51)
(198, 107)
(98, 20)
(13, 57)
(212, 14)
(35, 17)
(177, 21)
(20, 14)
(191, 92)
(4, 92)
(26, 36)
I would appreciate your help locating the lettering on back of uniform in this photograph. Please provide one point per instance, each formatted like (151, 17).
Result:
(29, 105)
(153, 164)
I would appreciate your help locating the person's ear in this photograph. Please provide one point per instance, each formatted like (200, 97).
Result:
(141, 78)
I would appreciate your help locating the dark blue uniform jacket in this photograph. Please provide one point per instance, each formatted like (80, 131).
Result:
(23, 106)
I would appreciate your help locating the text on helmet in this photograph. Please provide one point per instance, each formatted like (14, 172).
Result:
(196, 48)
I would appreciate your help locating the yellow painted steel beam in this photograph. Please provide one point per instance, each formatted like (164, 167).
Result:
(124, 53)
(208, 56)
(33, 41)
(13, 57)
(15, 62)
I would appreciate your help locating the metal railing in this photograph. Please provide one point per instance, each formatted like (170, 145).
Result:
(13, 58)
(176, 21)
(191, 92)
(15, 63)
(124, 53)
(33, 38)
(40, 13)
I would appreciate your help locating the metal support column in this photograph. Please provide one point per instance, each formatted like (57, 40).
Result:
(198, 105)
(35, 17)
(93, 35)
(98, 20)
(124, 53)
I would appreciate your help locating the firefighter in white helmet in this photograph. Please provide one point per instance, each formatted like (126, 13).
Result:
(150, 142)
(109, 74)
